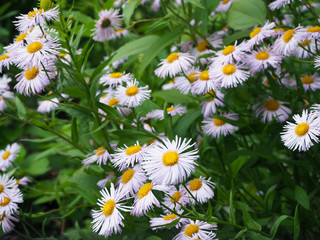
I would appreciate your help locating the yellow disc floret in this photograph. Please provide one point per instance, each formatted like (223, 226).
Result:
(302, 129)
(193, 77)
(31, 73)
(195, 184)
(108, 207)
(228, 49)
(288, 35)
(34, 47)
(170, 158)
(169, 217)
(5, 201)
(191, 229)
(204, 76)
(133, 149)
(100, 151)
(3, 57)
(263, 55)
(307, 80)
(21, 37)
(272, 105)
(314, 29)
(34, 13)
(131, 91)
(6, 155)
(116, 75)
(127, 175)
(229, 69)
(255, 32)
(218, 122)
(144, 190)
(172, 57)
(202, 46)
(176, 196)
(113, 102)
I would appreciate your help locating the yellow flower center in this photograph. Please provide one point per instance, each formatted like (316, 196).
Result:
(202, 46)
(5, 201)
(34, 47)
(0, 98)
(31, 73)
(119, 31)
(3, 57)
(2, 216)
(193, 76)
(172, 81)
(17, 181)
(127, 175)
(225, 27)
(229, 69)
(49, 93)
(314, 29)
(21, 37)
(302, 129)
(144, 190)
(116, 75)
(228, 49)
(172, 57)
(204, 76)
(150, 142)
(191, 229)
(263, 55)
(218, 122)
(100, 151)
(305, 43)
(225, 1)
(255, 32)
(170, 158)
(195, 184)
(6, 155)
(33, 13)
(272, 105)
(113, 102)
(131, 91)
(108, 207)
(1, 188)
(133, 149)
(288, 35)
(169, 217)
(276, 30)
(307, 80)
(62, 54)
(170, 109)
(176, 196)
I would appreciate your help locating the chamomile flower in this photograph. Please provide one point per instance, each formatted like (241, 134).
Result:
(33, 80)
(47, 106)
(228, 75)
(128, 156)
(132, 95)
(260, 33)
(108, 219)
(99, 156)
(175, 198)
(230, 54)
(201, 189)
(262, 59)
(171, 111)
(8, 155)
(311, 82)
(5, 60)
(132, 179)
(279, 4)
(109, 20)
(171, 162)
(9, 203)
(209, 107)
(288, 42)
(4, 95)
(204, 84)
(204, 48)
(301, 134)
(6, 221)
(183, 83)
(6, 185)
(102, 183)
(272, 109)
(196, 230)
(224, 6)
(35, 17)
(156, 222)
(175, 63)
(23, 181)
(215, 127)
(4, 83)
(115, 78)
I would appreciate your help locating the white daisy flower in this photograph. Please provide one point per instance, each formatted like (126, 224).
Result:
(35, 17)
(5, 60)
(47, 106)
(224, 6)
(230, 54)
(145, 199)
(204, 84)
(312, 32)
(23, 181)
(33, 80)
(288, 42)
(4, 95)
(100, 155)
(301, 134)
(215, 127)
(209, 107)
(132, 95)
(102, 183)
(170, 85)
(176, 198)
(4, 83)
(277, 32)
(204, 48)
(229, 75)
(156, 222)
(172, 111)
(132, 179)
(156, 5)
(183, 83)
(6, 221)
(116, 78)
(128, 156)
(262, 59)
(196, 230)
(279, 4)
(311, 82)
(272, 109)
(8, 155)
(306, 49)
(260, 33)
(108, 219)
(9, 203)
(170, 162)
(175, 63)
(317, 61)
(6, 185)
(109, 20)
(17, 42)
(201, 189)
(121, 33)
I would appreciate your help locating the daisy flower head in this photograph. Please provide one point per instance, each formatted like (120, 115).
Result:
(171, 111)
(204, 83)
(132, 179)
(201, 190)
(224, 6)
(33, 80)
(47, 106)
(311, 82)
(4, 83)
(175, 198)
(277, 4)
(156, 222)
(215, 127)
(175, 63)
(230, 54)
(183, 84)
(209, 107)
(127, 156)
(301, 134)
(9, 203)
(229, 75)
(132, 95)
(196, 230)
(306, 49)
(203, 47)
(121, 33)
(260, 33)
(108, 219)
(6, 221)
(8, 155)
(287, 43)
(272, 109)
(23, 181)
(102, 183)
(171, 162)
(5, 60)
(262, 59)
(109, 20)
(115, 78)
(110, 100)
(6, 185)
(170, 85)
(100, 155)
(4, 95)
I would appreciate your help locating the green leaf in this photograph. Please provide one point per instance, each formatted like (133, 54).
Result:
(296, 223)
(173, 96)
(195, 3)
(276, 225)
(20, 108)
(74, 131)
(129, 9)
(108, 4)
(35, 165)
(153, 237)
(99, 70)
(236, 36)
(239, 234)
(244, 14)
(236, 165)
(302, 197)
(168, 122)
(256, 236)
(231, 208)
(74, 92)
(248, 220)
(184, 123)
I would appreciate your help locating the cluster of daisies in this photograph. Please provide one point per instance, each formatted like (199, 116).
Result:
(158, 166)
